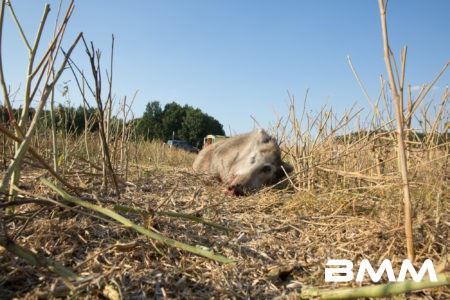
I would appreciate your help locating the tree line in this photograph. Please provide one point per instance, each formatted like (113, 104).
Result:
(157, 123)
(69, 119)
(176, 121)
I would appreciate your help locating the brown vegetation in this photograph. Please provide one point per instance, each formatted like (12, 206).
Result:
(343, 200)
(344, 208)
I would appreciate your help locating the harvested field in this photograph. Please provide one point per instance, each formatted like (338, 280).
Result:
(281, 241)
(129, 219)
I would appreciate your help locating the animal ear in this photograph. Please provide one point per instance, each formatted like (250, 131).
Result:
(263, 137)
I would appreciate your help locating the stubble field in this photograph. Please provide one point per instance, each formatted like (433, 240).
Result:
(279, 239)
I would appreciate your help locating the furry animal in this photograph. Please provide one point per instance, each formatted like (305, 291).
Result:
(244, 163)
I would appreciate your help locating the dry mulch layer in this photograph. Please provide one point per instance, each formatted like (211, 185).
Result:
(281, 241)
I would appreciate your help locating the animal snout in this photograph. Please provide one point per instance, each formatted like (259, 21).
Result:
(236, 190)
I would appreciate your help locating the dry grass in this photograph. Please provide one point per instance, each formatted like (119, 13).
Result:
(344, 201)
(293, 229)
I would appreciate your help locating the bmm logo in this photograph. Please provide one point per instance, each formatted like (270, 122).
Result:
(346, 271)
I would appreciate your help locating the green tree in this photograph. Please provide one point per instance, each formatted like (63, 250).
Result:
(150, 125)
(214, 126)
(185, 122)
(193, 127)
(173, 116)
(196, 125)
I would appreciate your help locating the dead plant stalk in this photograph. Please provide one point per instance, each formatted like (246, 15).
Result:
(95, 68)
(44, 67)
(398, 103)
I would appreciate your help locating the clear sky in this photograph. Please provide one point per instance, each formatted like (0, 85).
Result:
(237, 59)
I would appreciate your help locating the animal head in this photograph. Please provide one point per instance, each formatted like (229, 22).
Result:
(258, 163)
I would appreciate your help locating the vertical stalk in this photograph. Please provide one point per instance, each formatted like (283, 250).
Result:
(95, 68)
(86, 120)
(23, 147)
(122, 140)
(27, 100)
(401, 151)
(54, 135)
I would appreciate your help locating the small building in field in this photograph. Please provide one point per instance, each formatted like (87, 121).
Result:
(211, 139)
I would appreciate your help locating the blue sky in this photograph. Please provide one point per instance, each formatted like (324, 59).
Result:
(236, 59)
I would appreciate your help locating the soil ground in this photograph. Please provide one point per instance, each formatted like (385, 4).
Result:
(281, 241)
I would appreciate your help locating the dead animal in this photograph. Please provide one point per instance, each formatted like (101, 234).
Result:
(245, 162)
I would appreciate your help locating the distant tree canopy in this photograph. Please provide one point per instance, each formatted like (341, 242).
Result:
(68, 118)
(185, 122)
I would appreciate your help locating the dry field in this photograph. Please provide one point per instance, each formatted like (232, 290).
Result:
(112, 228)
(281, 240)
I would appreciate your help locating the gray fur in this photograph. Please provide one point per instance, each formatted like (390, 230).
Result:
(245, 162)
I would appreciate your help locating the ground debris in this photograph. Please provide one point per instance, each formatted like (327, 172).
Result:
(282, 241)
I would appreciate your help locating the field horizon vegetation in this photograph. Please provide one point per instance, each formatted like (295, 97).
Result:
(97, 210)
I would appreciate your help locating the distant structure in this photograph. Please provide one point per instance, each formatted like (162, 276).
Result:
(212, 138)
